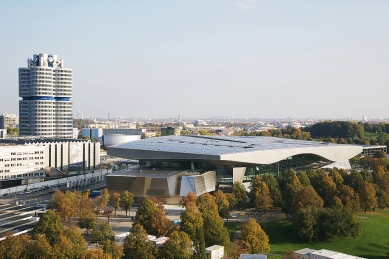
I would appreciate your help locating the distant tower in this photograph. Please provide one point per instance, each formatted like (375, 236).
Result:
(109, 116)
(45, 87)
(179, 119)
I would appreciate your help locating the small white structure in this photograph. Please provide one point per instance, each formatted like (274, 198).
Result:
(160, 241)
(307, 253)
(215, 252)
(253, 256)
(119, 238)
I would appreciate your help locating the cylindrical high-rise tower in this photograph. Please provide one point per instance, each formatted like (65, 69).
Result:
(46, 88)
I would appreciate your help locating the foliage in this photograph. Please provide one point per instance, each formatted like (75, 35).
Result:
(239, 247)
(159, 224)
(87, 221)
(367, 196)
(73, 234)
(13, 131)
(145, 212)
(179, 246)
(349, 198)
(115, 201)
(255, 237)
(126, 201)
(214, 231)
(50, 226)
(103, 199)
(97, 253)
(293, 186)
(341, 129)
(307, 197)
(223, 206)
(40, 248)
(101, 231)
(192, 224)
(231, 200)
(14, 247)
(313, 224)
(326, 188)
(239, 192)
(109, 247)
(136, 245)
(274, 188)
(191, 197)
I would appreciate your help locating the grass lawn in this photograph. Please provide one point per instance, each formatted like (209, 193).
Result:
(373, 243)
(370, 135)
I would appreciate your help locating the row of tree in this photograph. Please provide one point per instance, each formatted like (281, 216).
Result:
(52, 240)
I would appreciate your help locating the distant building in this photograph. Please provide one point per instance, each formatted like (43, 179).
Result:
(170, 131)
(45, 87)
(92, 133)
(75, 133)
(120, 131)
(8, 120)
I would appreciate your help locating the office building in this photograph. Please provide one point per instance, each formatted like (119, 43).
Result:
(45, 87)
(93, 133)
(30, 157)
(8, 120)
(170, 131)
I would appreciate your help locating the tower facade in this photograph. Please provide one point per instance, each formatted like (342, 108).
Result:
(45, 87)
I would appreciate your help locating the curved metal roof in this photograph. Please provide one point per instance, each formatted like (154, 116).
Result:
(256, 150)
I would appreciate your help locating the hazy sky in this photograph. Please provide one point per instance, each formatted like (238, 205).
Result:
(239, 58)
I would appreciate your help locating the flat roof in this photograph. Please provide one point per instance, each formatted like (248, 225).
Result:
(257, 150)
(146, 173)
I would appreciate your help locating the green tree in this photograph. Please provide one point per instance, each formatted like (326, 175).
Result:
(222, 204)
(87, 221)
(293, 186)
(63, 248)
(326, 188)
(145, 212)
(214, 231)
(75, 236)
(239, 192)
(50, 226)
(126, 201)
(40, 248)
(192, 224)
(179, 246)
(274, 188)
(306, 223)
(97, 253)
(307, 197)
(102, 231)
(136, 244)
(367, 195)
(103, 199)
(349, 198)
(14, 247)
(115, 201)
(191, 198)
(263, 200)
(109, 247)
(303, 177)
(253, 234)
(231, 200)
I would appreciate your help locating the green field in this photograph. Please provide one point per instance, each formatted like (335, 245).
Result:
(373, 243)
(370, 135)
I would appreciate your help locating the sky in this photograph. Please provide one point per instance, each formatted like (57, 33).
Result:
(235, 58)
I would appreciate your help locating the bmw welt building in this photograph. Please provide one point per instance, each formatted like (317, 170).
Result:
(172, 166)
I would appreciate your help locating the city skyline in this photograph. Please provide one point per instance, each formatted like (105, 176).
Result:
(240, 59)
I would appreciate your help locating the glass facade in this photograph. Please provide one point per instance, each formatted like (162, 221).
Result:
(224, 172)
